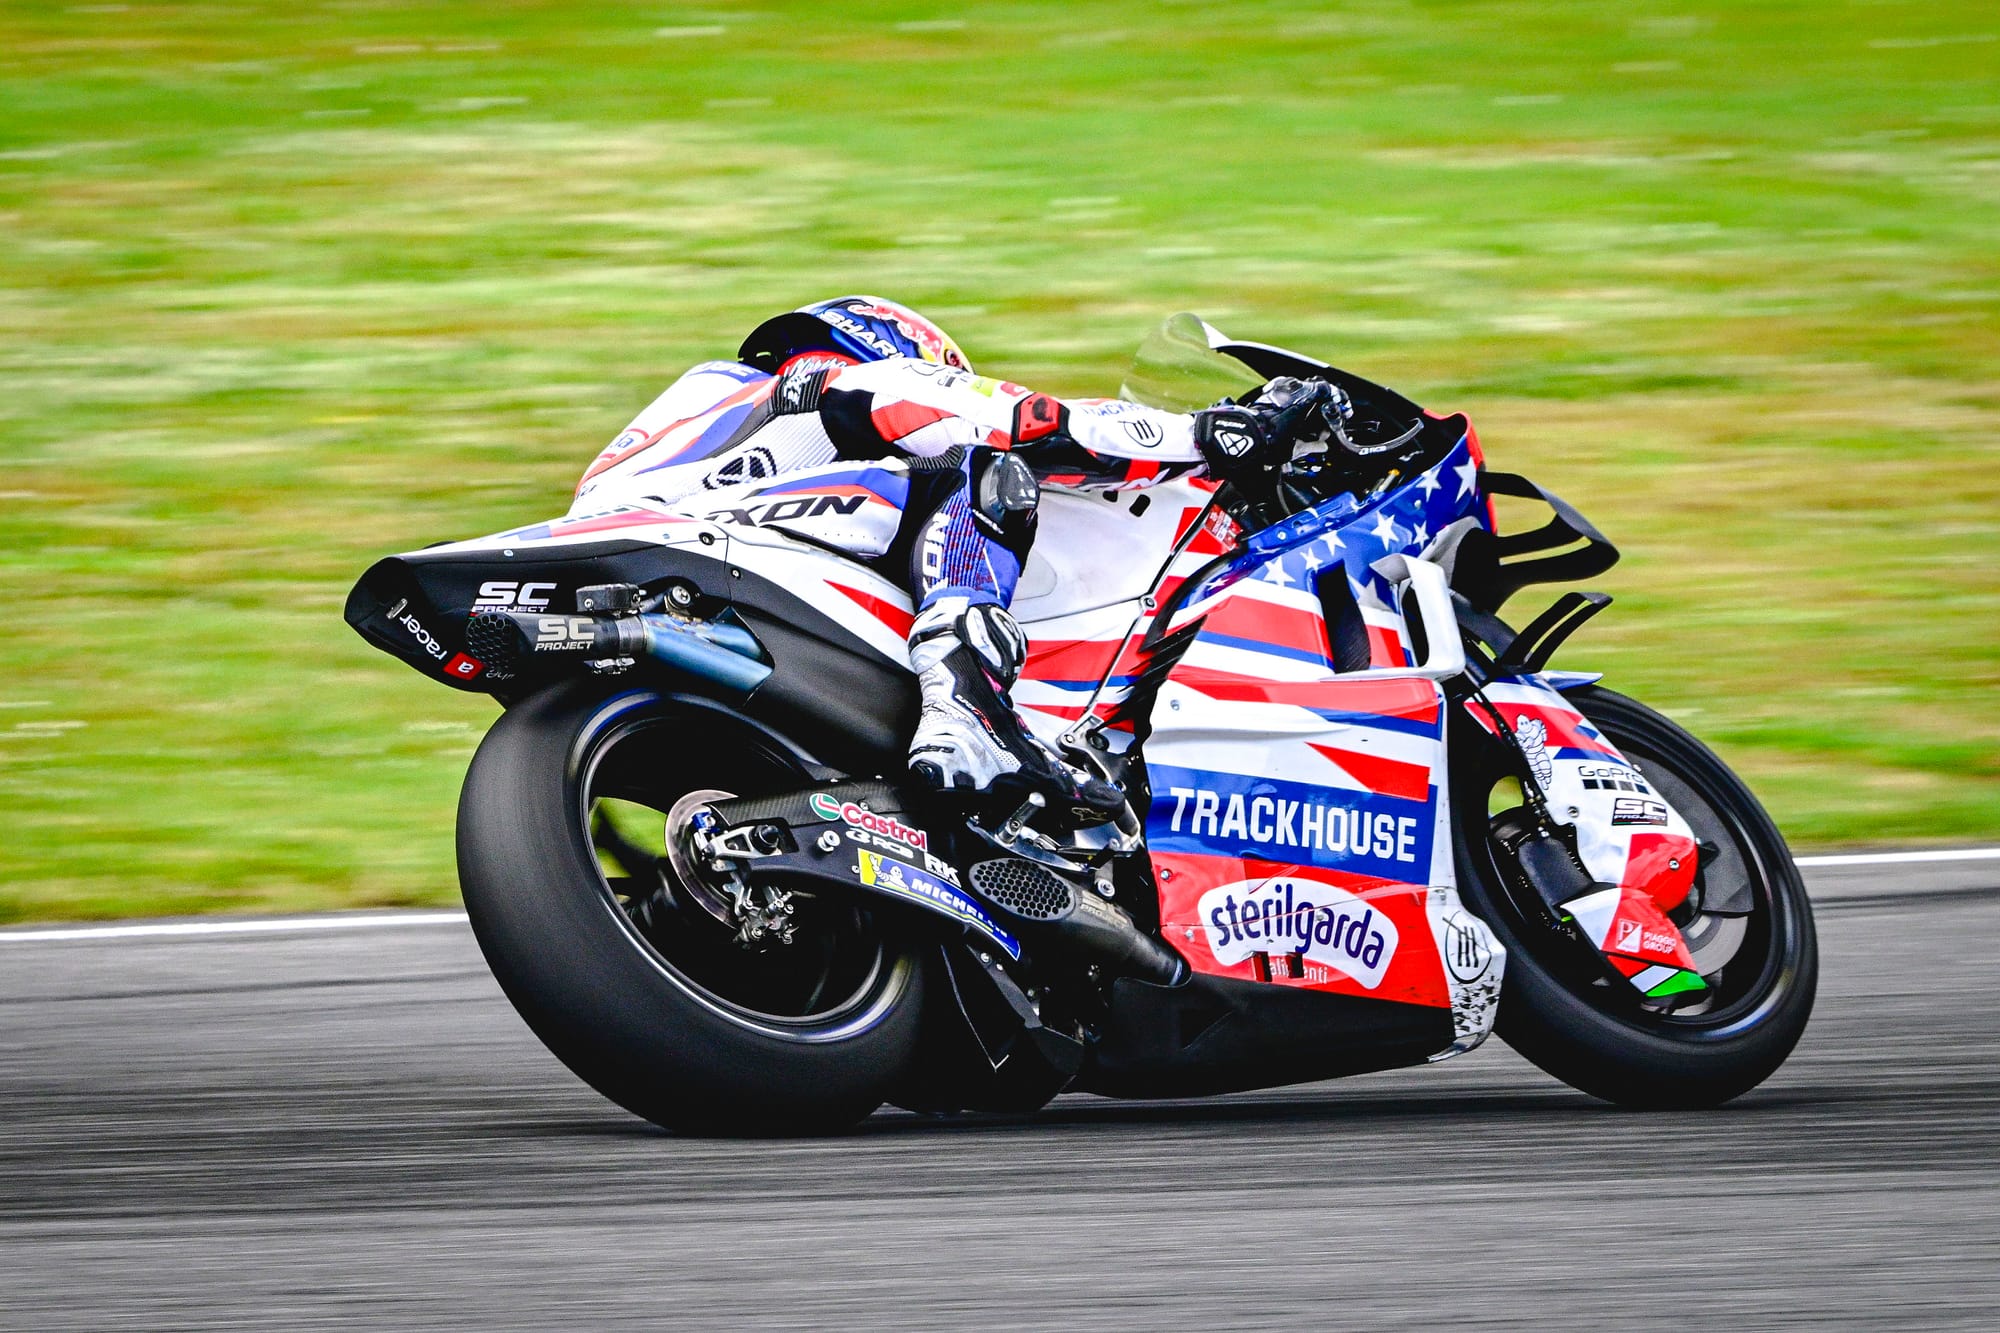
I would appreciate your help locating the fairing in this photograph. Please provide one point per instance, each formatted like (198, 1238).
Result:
(415, 606)
(1300, 821)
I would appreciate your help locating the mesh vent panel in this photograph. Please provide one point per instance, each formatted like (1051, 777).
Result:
(1023, 888)
(493, 640)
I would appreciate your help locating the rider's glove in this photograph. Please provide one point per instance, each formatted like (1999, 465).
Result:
(1261, 435)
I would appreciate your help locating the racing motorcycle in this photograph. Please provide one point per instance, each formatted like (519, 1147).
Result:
(1366, 819)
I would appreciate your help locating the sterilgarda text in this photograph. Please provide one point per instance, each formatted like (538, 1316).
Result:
(1273, 821)
(1320, 922)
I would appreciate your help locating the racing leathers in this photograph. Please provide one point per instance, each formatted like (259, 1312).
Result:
(907, 460)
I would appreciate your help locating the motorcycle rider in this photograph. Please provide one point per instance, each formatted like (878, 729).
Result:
(959, 459)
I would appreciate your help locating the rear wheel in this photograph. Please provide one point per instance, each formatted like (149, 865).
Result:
(1748, 925)
(574, 877)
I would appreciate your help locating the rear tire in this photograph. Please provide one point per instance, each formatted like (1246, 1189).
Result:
(651, 1007)
(1597, 1038)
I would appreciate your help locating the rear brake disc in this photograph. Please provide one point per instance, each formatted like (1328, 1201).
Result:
(689, 873)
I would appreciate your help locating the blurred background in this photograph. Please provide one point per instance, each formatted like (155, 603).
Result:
(285, 287)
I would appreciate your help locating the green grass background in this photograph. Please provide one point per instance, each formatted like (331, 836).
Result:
(287, 286)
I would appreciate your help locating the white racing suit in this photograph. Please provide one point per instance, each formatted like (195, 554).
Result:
(905, 458)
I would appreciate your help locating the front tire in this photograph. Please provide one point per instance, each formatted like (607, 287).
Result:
(642, 994)
(1762, 965)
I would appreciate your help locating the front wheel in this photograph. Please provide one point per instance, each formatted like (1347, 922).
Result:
(567, 859)
(1748, 926)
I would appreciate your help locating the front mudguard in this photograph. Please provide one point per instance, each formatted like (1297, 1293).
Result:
(1636, 855)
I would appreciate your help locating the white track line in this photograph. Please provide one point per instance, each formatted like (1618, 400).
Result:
(390, 921)
(260, 926)
(1902, 858)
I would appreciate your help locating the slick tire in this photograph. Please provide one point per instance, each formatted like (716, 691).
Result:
(615, 1002)
(1614, 1050)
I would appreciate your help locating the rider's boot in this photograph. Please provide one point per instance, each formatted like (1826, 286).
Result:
(969, 738)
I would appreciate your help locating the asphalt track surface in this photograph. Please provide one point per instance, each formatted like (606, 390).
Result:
(350, 1128)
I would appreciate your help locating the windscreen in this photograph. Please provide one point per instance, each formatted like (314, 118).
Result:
(1178, 370)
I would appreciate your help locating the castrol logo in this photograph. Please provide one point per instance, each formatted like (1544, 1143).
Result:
(827, 807)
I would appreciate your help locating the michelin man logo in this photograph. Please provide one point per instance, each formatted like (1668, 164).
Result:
(1534, 740)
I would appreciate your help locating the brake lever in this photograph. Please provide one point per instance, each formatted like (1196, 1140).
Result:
(1377, 450)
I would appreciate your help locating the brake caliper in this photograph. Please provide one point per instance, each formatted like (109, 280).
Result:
(761, 913)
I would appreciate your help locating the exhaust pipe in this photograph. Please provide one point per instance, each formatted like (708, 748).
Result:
(520, 642)
(1045, 908)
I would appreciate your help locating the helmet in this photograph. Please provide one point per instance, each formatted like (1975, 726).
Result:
(860, 328)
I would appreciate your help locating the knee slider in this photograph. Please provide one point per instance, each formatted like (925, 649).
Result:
(1004, 499)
